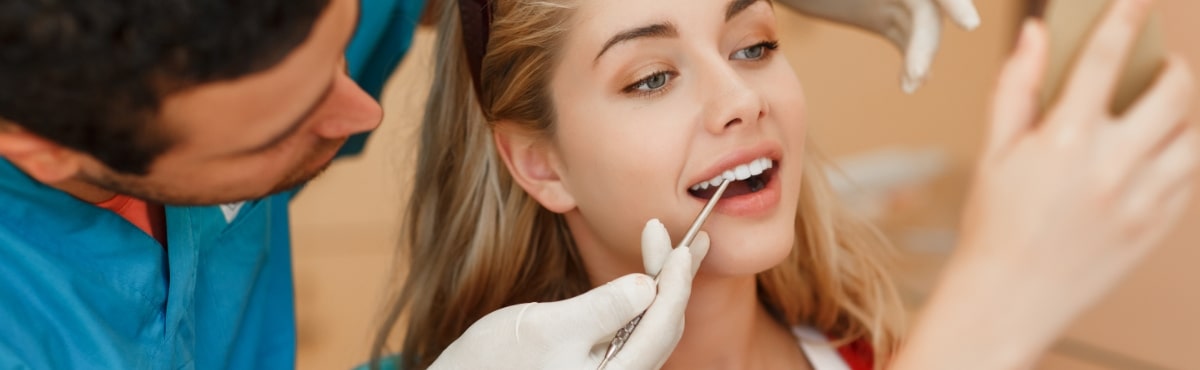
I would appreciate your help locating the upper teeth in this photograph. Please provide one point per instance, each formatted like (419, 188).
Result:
(741, 172)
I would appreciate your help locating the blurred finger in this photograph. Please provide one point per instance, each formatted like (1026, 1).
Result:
(1174, 168)
(1167, 219)
(1092, 82)
(1015, 105)
(1178, 164)
(1149, 124)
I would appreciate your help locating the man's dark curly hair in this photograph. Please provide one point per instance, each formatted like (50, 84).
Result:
(91, 74)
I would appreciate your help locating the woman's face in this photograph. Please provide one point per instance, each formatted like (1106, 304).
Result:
(655, 98)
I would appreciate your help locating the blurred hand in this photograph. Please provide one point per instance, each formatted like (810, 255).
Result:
(575, 333)
(914, 26)
(1065, 201)
(1078, 194)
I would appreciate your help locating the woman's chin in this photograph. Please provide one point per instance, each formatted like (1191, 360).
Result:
(746, 254)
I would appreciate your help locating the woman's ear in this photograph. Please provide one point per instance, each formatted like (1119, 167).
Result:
(534, 166)
(41, 159)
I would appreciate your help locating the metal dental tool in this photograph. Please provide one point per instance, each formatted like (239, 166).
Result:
(623, 334)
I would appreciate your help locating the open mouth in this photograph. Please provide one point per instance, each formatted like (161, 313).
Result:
(747, 178)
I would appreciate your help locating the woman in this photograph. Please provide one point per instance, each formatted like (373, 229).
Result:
(595, 116)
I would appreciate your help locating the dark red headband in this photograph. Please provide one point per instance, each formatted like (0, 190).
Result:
(476, 18)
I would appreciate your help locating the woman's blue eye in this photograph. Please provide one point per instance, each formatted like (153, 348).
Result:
(651, 83)
(755, 52)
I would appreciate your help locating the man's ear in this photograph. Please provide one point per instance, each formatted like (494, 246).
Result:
(39, 158)
(534, 166)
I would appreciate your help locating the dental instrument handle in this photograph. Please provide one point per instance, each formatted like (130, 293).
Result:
(624, 333)
(708, 207)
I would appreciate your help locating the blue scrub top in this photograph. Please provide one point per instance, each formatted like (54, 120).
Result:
(82, 288)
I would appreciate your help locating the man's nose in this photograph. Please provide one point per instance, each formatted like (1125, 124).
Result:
(348, 111)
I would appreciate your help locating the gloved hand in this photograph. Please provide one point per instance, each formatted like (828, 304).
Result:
(914, 26)
(574, 333)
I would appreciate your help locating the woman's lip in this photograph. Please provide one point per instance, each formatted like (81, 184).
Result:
(750, 205)
(768, 149)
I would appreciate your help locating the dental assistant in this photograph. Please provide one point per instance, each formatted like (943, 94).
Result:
(149, 149)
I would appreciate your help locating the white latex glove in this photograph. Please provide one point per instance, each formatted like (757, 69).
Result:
(575, 333)
(914, 26)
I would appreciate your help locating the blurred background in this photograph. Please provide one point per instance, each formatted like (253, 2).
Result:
(905, 160)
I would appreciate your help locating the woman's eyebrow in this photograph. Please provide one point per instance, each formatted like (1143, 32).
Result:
(666, 29)
(659, 30)
(737, 6)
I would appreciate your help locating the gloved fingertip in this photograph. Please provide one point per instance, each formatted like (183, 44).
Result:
(917, 66)
(970, 20)
(909, 85)
(700, 244)
(962, 12)
(700, 249)
(654, 222)
(679, 262)
(656, 244)
(638, 289)
(972, 24)
(656, 231)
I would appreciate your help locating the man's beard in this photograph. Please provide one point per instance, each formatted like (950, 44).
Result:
(163, 195)
(294, 181)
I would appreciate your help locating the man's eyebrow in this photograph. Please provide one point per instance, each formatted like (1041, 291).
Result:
(296, 124)
(654, 30)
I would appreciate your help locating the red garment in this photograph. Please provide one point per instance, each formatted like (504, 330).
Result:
(150, 218)
(858, 355)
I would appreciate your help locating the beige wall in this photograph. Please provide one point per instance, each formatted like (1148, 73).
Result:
(345, 223)
(345, 227)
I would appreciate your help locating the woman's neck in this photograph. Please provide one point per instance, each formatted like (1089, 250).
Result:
(728, 328)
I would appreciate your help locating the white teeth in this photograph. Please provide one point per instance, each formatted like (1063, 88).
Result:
(741, 172)
(756, 166)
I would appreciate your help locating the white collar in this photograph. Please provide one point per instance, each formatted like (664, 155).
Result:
(820, 353)
(231, 211)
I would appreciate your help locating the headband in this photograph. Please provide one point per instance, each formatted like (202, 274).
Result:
(476, 18)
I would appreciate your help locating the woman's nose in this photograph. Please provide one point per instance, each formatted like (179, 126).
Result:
(732, 102)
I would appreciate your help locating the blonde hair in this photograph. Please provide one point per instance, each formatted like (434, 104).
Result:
(476, 242)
